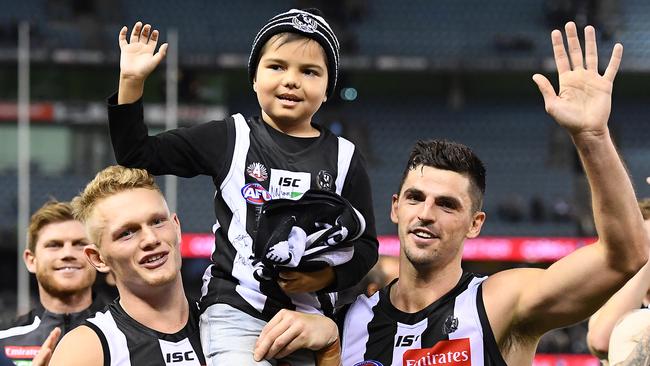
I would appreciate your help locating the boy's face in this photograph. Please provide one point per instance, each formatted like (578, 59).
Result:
(291, 81)
(58, 259)
(139, 240)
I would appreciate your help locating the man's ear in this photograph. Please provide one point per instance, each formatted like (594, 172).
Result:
(96, 259)
(177, 222)
(30, 260)
(476, 225)
(393, 208)
(255, 85)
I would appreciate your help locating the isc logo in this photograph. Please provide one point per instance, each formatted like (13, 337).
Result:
(406, 341)
(179, 356)
(288, 185)
(256, 194)
(289, 182)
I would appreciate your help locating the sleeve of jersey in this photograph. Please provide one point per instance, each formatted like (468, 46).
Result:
(357, 191)
(186, 152)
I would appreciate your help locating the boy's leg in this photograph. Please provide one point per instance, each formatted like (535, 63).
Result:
(228, 337)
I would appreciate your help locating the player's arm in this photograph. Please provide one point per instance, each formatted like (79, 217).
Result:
(603, 321)
(80, 347)
(137, 60)
(530, 302)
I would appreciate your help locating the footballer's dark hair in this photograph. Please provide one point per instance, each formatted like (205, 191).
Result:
(449, 155)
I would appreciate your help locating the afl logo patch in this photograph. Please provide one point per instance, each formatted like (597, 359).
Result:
(255, 194)
(325, 180)
(369, 363)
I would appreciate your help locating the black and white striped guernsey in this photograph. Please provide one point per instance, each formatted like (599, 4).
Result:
(250, 163)
(453, 330)
(261, 171)
(22, 340)
(125, 342)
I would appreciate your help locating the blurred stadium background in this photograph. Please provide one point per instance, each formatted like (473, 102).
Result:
(456, 69)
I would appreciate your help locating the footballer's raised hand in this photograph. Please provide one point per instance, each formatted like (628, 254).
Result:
(584, 101)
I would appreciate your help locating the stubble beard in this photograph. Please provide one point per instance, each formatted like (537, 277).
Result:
(52, 287)
(425, 259)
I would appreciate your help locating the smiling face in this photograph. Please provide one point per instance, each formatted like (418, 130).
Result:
(138, 240)
(434, 215)
(58, 260)
(291, 81)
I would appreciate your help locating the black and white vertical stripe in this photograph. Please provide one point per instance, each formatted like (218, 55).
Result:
(126, 342)
(374, 330)
(230, 280)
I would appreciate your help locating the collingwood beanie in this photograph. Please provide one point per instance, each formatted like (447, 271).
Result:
(308, 23)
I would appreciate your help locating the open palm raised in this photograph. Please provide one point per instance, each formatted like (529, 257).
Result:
(137, 58)
(585, 98)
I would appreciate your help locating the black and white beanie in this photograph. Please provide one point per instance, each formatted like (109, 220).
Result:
(308, 24)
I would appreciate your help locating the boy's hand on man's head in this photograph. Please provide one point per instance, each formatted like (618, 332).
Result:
(584, 101)
(299, 282)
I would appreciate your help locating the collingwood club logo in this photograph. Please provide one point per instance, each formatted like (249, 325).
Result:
(305, 23)
(325, 180)
(450, 325)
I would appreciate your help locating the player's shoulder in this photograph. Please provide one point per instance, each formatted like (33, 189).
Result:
(364, 301)
(362, 304)
(23, 320)
(633, 322)
(513, 279)
(84, 338)
(227, 121)
(503, 289)
(632, 328)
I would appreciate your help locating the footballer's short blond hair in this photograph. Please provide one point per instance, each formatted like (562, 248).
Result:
(51, 212)
(108, 182)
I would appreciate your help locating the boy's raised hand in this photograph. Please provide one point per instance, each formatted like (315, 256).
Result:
(137, 60)
(584, 101)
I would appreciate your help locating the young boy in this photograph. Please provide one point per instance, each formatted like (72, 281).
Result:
(293, 68)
